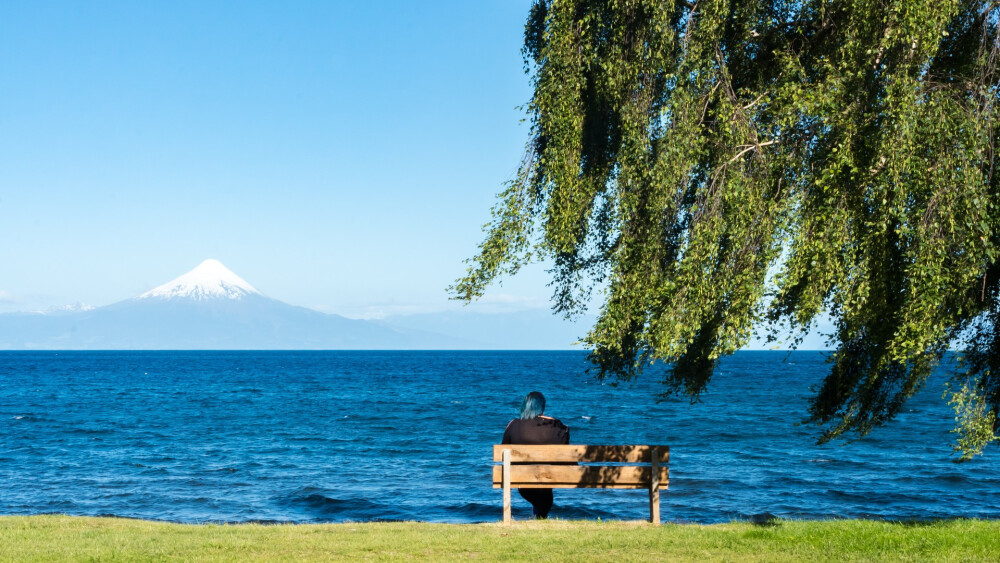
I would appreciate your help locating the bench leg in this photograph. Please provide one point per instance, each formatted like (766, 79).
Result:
(654, 505)
(506, 487)
(654, 487)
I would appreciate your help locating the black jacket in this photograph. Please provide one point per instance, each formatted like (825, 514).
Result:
(538, 430)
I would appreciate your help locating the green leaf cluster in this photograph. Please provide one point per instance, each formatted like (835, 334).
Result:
(713, 166)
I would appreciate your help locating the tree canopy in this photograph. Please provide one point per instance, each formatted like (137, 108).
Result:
(711, 167)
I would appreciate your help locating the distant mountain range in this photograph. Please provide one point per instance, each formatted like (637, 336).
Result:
(212, 308)
(520, 330)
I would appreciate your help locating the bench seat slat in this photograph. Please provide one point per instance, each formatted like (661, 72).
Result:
(550, 453)
(578, 476)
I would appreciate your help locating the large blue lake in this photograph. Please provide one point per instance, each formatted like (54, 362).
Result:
(339, 436)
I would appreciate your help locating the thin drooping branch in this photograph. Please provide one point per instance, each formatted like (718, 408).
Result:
(717, 165)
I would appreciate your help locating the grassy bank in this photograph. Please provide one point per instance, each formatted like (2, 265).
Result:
(38, 538)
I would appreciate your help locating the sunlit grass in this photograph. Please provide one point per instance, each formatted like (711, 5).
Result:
(46, 538)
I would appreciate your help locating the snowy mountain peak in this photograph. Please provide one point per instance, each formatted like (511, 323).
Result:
(210, 280)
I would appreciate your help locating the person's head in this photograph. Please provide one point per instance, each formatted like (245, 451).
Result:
(533, 405)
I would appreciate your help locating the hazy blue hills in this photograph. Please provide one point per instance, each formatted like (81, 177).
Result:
(211, 308)
(521, 330)
(208, 308)
(250, 323)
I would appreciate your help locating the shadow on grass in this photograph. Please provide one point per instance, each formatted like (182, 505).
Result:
(923, 522)
(768, 520)
(765, 520)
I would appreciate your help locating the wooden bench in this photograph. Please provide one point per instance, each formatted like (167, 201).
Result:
(556, 467)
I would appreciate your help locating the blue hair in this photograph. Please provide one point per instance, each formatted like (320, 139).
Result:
(533, 405)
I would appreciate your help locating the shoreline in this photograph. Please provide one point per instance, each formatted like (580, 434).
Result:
(36, 538)
(762, 520)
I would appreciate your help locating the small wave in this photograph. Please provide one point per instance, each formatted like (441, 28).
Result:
(89, 431)
(871, 498)
(322, 507)
(157, 459)
(117, 495)
(474, 510)
(706, 483)
(31, 418)
(333, 504)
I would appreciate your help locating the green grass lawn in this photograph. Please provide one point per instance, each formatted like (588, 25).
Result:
(46, 538)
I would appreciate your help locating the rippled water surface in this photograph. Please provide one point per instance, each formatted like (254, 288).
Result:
(338, 436)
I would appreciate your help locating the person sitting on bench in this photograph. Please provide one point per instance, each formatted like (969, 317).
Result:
(535, 428)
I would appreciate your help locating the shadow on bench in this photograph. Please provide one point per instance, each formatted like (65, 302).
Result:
(557, 467)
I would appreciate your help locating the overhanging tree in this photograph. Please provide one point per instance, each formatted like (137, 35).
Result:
(716, 165)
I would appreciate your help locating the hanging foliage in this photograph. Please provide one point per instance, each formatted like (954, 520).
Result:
(714, 166)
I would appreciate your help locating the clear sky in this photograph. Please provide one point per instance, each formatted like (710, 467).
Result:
(337, 155)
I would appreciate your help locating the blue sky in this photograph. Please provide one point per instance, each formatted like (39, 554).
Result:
(337, 155)
(341, 156)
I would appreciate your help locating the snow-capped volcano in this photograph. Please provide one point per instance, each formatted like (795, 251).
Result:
(208, 308)
(209, 280)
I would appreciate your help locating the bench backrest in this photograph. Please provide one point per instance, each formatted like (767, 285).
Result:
(553, 466)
